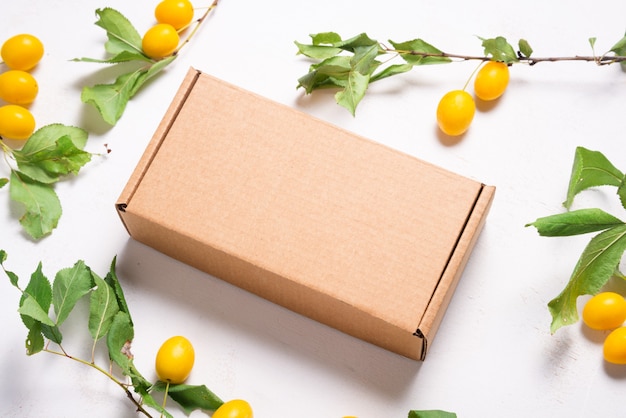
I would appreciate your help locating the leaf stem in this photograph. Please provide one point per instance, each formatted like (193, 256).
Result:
(121, 384)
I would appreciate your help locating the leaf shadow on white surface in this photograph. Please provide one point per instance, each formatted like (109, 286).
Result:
(237, 317)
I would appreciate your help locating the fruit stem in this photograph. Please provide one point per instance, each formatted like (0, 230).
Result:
(196, 27)
(167, 389)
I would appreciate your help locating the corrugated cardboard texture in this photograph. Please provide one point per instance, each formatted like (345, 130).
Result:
(336, 227)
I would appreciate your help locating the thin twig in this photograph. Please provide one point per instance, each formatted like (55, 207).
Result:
(600, 60)
(124, 387)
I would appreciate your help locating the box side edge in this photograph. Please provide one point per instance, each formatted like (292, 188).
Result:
(157, 138)
(443, 294)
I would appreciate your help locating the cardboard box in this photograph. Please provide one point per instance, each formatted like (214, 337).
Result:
(336, 227)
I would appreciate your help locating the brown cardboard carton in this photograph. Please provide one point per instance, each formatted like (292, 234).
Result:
(336, 227)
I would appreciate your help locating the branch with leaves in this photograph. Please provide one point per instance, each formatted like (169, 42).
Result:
(351, 65)
(109, 319)
(601, 258)
(51, 154)
(124, 45)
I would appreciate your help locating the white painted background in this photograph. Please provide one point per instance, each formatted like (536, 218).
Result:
(493, 356)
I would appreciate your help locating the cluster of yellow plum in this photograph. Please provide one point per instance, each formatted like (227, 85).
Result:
(162, 39)
(456, 108)
(18, 88)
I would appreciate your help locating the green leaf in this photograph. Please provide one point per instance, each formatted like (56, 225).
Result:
(332, 72)
(51, 163)
(575, 222)
(34, 340)
(391, 71)
(325, 38)
(42, 205)
(40, 289)
(119, 340)
(12, 276)
(46, 138)
(364, 59)
(317, 51)
(53, 333)
(191, 397)
(620, 50)
(591, 169)
(499, 49)
(123, 56)
(418, 52)
(3, 182)
(70, 284)
(113, 281)
(357, 41)
(353, 92)
(621, 192)
(524, 48)
(593, 269)
(111, 99)
(31, 308)
(102, 308)
(122, 35)
(435, 413)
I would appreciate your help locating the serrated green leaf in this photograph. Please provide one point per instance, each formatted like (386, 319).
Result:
(53, 333)
(353, 92)
(593, 269)
(41, 203)
(418, 51)
(70, 284)
(39, 288)
(113, 281)
(111, 99)
(524, 48)
(434, 413)
(621, 192)
(13, 278)
(591, 169)
(121, 33)
(102, 308)
(119, 340)
(357, 41)
(47, 136)
(31, 308)
(51, 163)
(325, 38)
(3, 182)
(34, 317)
(191, 397)
(331, 72)
(499, 49)
(575, 222)
(391, 71)
(364, 59)
(124, 56)
(320, 52)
